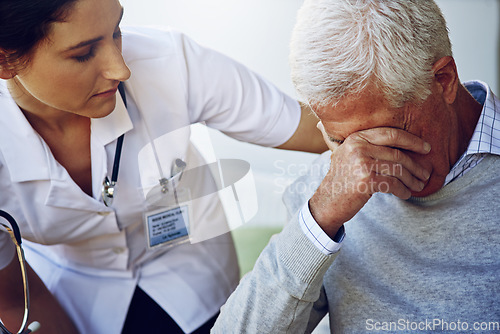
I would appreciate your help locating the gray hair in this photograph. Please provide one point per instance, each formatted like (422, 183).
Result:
(339, 47)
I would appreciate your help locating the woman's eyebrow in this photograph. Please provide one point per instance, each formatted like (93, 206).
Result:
(85, 43)
(94, 40)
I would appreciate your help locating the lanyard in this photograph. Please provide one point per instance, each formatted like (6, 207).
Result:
(108, 187)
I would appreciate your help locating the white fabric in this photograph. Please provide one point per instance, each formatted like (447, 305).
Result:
(91, 256)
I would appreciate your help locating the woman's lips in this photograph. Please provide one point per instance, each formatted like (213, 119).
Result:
(107, 93)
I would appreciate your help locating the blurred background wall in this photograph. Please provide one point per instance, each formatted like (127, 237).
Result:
(257, 33)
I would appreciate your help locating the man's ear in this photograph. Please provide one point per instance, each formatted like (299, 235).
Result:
(446, 75)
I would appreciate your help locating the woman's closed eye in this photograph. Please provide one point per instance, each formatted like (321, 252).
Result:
(86, 57)
(91, 53)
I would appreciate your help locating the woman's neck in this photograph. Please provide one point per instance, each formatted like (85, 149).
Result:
(42, 117)
(66, 134)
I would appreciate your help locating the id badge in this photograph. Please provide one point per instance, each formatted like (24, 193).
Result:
(167, 220)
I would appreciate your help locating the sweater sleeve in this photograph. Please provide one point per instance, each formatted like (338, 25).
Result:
(279, 294)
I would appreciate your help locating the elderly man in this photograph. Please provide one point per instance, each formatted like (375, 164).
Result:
(402, 233)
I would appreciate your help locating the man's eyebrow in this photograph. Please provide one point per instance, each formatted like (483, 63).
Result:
(93, 40)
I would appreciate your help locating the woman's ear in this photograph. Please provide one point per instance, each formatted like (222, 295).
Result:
(446, 75)
(6, 69)
(6, 74)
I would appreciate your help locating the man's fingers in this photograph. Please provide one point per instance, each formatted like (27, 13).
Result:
(391, 185)
(393, 137)
(395, 175)
(396, 161)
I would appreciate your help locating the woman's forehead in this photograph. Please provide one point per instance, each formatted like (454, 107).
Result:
(86, 20)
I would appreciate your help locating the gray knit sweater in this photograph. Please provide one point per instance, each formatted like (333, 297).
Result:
(423, 265)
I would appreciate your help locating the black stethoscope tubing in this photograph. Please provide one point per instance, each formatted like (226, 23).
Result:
(109, 186)
(119, 144)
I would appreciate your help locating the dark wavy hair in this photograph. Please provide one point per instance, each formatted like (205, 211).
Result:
(24, 24)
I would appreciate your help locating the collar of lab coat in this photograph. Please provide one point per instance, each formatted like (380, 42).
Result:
(25, 152)
(109, 128)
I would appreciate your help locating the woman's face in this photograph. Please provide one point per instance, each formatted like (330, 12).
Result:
(78, 67)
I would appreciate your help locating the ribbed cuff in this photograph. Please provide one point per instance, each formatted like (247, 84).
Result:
(302, 259)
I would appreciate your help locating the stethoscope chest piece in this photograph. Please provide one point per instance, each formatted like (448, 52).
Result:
(108, 191)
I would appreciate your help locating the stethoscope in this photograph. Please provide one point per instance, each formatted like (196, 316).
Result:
(108, 186)
(15, 235)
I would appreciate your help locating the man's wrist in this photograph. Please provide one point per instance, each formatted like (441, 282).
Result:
(326, 244)
(326, 223)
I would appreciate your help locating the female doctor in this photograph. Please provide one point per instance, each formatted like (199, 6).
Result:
(64, 129)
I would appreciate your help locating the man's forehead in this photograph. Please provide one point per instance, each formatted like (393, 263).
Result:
(363, 104)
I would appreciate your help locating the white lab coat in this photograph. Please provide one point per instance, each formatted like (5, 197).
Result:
(90, 256)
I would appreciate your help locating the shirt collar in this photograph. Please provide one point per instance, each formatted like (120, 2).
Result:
(109, 128)
(23, 149)
(486, 136)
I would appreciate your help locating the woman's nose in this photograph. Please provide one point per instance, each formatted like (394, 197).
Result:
(114, 65)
